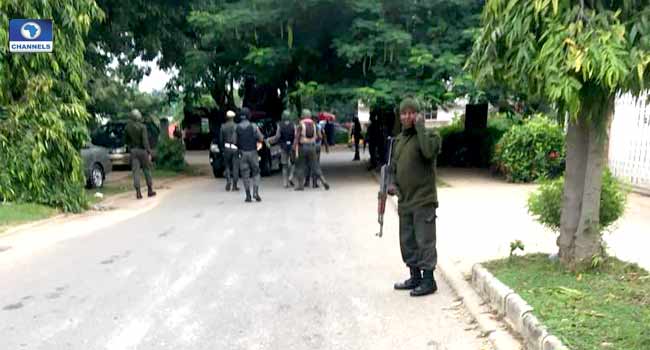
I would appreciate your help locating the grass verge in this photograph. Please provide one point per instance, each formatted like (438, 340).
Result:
(604, 309)
(12, 214)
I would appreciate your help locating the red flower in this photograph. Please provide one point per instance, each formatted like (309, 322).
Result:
(553, 155)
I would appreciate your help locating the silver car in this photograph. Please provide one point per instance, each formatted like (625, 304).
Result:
(97, 164)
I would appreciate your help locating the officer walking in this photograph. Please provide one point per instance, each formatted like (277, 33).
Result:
(230, 153)
(414, 169)
(136, 140)
(285, 135)
(320, 140)
(247, 135)
(305, 145)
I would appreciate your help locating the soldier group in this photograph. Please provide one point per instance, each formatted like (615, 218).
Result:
(300, 146)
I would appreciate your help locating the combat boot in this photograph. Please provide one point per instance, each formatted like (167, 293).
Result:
(411, 283)
(138, 194)
(248, 196)
(427, 286)
(256, 194)
(151, 192)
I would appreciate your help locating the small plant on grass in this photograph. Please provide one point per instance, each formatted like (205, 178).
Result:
(516, 245)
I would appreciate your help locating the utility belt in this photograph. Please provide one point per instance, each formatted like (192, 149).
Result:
(230, 146)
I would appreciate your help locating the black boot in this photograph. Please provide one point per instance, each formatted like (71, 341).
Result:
(228, 187)
(256, 194)
(151, 192)
(428, 285)
(138, 194)
(411, 283)
(326, 185)
(314, 182)
(248, 196)
(306, 183)
(234, 187)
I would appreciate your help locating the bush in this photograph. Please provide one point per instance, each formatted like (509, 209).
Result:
(532, 151)
(341, 137)
(546, 203)
(171, 155)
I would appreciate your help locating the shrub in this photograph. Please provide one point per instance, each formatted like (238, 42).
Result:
(340, 137)
(546, 203)
(171, 155)
(531, 151)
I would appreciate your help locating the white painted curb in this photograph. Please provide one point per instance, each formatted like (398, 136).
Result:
(517, 313)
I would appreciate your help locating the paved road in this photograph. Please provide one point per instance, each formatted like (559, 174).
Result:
(203, 270)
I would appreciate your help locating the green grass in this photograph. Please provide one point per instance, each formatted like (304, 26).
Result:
(18, 213)
(605, 309)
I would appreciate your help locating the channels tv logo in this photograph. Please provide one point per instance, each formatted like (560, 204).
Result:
(30, 35)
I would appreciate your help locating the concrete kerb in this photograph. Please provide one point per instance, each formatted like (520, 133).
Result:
(517, 313)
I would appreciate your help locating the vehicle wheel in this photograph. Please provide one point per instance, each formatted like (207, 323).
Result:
(96, 179)
(265, 166)
(217, 172)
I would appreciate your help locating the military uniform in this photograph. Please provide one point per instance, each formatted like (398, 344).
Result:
(230, 153)
(305, 141)
(285, 135)
(414, 168)
(136, 140)
(247, 135)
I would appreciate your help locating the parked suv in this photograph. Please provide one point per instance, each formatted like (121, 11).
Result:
(269, 157)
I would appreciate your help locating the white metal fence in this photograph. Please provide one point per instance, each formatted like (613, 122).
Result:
(629, 148)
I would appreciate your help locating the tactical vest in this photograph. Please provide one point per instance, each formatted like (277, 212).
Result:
(246, 138)
(287, 133)
(308, 133)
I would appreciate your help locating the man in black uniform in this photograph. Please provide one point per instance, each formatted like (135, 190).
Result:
(247, 135)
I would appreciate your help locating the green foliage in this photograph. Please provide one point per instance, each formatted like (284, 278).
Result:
(600, 309)
(546, 203)
(341, 138)
(564, 50)
(170, 155)
(532, 151)
(44, 98)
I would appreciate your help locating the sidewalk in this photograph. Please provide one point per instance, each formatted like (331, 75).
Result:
(480, 215)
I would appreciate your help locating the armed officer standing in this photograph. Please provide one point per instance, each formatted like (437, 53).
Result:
(230, 152)
(305, 145)
(414, 172)
(247, 135)
(285, 135)
(136, 140)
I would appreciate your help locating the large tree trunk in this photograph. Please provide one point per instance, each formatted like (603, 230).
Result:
(587, 135)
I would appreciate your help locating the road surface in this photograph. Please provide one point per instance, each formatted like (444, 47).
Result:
(204, 270)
